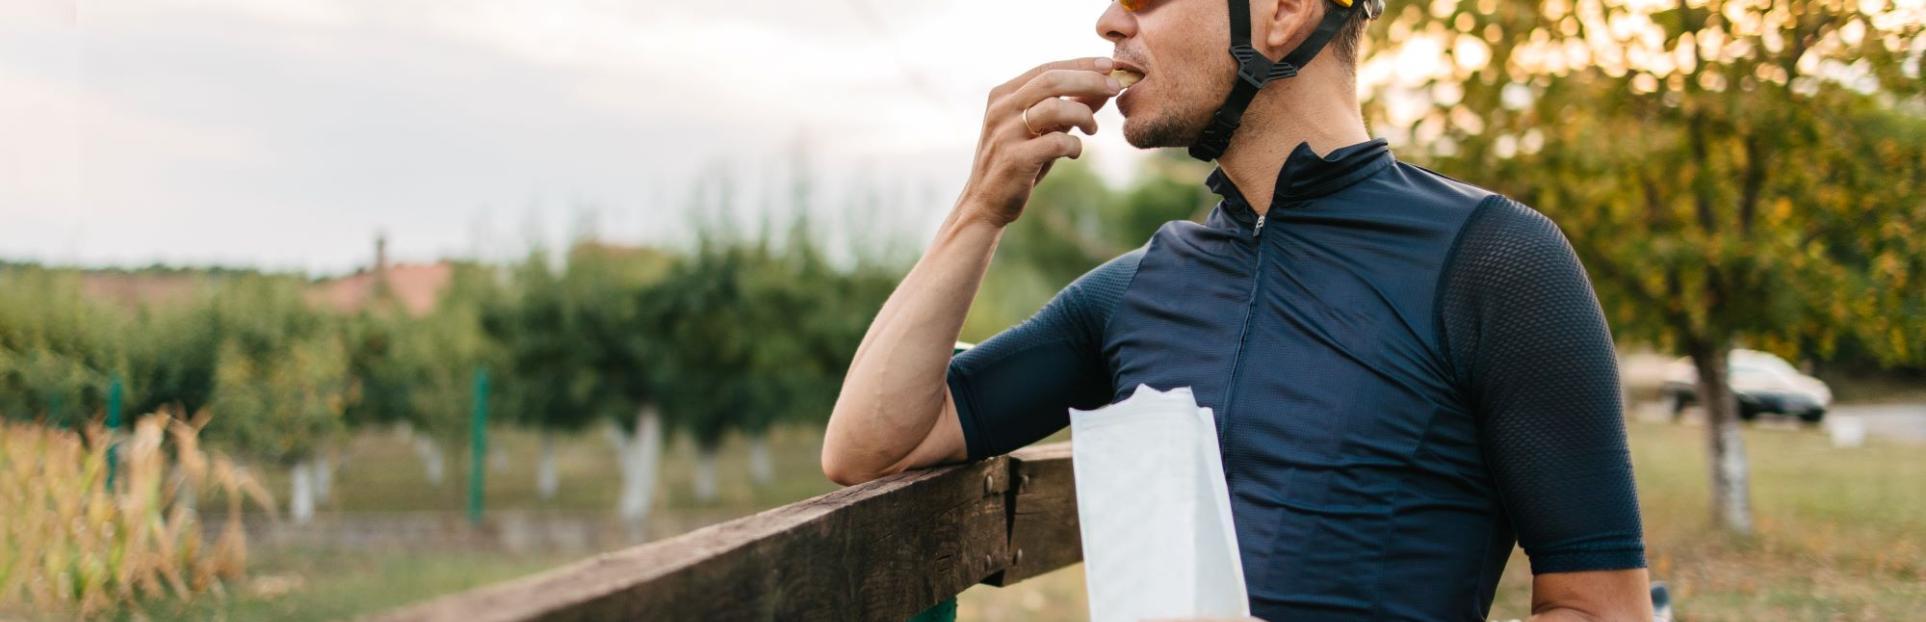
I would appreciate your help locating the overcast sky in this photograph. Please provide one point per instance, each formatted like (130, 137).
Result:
(286, 133)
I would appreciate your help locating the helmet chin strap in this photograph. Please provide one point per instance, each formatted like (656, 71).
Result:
(1254, 70)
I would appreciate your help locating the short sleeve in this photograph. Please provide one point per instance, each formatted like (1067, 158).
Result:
(1527, 341)
(1018, 386)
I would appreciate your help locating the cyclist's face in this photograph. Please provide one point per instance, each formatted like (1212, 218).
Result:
(1179, 46)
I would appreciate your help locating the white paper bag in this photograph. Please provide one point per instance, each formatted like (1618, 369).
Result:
(1155, 512)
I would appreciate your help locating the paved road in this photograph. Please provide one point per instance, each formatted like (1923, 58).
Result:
(1901, 422)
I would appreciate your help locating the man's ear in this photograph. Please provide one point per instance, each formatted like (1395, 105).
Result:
(1286, 24)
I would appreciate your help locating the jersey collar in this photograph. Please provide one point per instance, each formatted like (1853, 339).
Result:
(1306, 176)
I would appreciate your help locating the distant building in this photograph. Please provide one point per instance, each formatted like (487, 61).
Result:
(416, 287)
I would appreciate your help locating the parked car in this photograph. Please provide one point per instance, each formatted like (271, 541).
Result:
(1764, 383)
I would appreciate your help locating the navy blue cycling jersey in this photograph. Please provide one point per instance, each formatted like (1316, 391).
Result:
(1409, 374)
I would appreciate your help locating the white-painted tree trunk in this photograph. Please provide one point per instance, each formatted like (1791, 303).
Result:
(547, 479)
(640, 456)
(433, 464)
(761, 471)
(323, 477)
(705, 474)
(1731, 498)
(301, 493)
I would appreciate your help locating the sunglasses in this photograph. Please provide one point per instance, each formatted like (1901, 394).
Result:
(1139, 6)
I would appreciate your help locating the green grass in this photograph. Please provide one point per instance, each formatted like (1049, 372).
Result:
(379, 472)
(1841, 532)
(382, 474)
(1841, 536)
(293, 586)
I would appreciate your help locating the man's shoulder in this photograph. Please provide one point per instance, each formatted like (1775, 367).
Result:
(1097, 292)
(1442, 194)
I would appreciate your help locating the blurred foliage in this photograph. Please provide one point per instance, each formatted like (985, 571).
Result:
(281, 375)
(1729, 172)
(419, 370)
(731, 336)
(1735, 173)
(760, 330)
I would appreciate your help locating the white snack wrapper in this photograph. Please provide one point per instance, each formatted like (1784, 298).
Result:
(1158, 541)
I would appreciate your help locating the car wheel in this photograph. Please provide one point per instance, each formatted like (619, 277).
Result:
(1812, 417)
(1748, 413)
(1679, 401)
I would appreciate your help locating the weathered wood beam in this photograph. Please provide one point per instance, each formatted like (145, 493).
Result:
(878, 551)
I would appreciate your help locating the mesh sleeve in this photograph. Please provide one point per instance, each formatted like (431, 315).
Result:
(1525, 337)
(1016, 387)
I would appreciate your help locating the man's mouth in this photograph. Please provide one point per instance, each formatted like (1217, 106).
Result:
(1126, 73)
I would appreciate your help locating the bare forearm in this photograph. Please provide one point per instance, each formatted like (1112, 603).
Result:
(895, 391)
(895, 410)
(1592, 596)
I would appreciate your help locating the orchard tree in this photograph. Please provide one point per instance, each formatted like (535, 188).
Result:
(617, 348)
(57, 350)
(1731, 173)
(702, 314)
(282, 386)
(544, 368)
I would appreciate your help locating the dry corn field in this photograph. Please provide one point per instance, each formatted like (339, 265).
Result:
(70, 547)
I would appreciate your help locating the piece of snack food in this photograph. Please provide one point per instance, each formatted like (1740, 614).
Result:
(1126, 77)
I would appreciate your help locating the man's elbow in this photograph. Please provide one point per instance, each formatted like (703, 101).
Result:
(837, 471)
(845, 472)
(849, 468)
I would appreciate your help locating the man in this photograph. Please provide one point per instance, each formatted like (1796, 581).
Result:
(1409, 373)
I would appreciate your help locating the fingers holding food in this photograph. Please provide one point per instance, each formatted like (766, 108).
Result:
(1089, 88)
(1058, 115)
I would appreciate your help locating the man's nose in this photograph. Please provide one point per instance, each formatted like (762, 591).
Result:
(1116, 24)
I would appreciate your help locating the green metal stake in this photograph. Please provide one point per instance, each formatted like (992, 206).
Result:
(113, 431)
(478, 455)
(943, 612)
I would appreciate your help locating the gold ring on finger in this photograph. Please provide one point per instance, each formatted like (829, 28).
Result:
(1026, 124)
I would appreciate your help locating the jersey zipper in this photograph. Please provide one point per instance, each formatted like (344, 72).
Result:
(1243, 334)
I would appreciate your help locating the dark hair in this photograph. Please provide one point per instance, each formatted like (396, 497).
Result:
(1346, 41)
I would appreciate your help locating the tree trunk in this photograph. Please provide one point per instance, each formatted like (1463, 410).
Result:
(547, 480)
(301, 493)
(1731, 492)
(640, 454)
(705, 474)
(434, 466)
(761, 471)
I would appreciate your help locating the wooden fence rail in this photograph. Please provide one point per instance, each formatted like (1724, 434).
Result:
(884, 550)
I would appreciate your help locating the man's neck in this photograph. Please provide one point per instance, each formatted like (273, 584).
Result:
(1319, 107)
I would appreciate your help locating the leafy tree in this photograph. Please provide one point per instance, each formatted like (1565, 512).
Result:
(282, 383)
(57, 350)
(1730, 173)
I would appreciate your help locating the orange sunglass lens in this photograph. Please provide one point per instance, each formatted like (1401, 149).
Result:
(1133, 5)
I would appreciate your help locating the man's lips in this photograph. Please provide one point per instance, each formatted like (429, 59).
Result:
(1127, 66)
